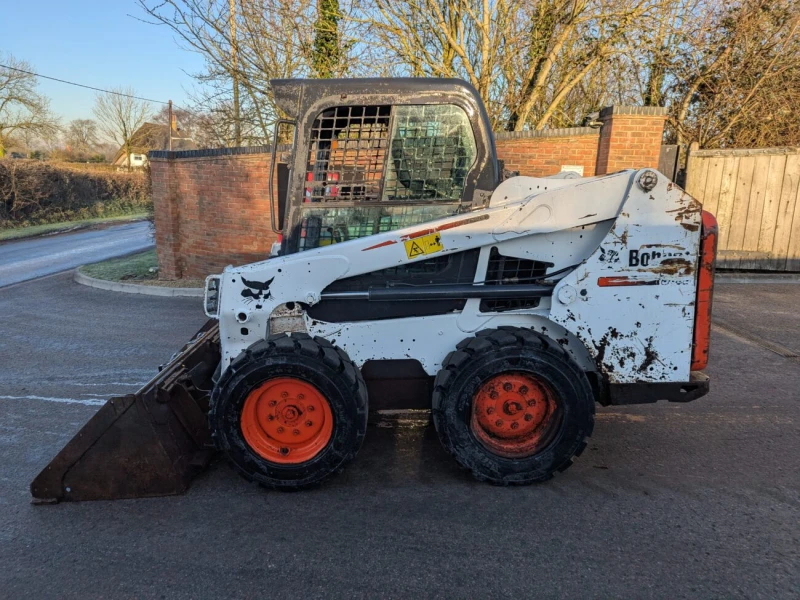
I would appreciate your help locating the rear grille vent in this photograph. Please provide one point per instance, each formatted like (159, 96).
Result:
(508, 270)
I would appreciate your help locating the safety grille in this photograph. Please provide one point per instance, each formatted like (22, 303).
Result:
(347, 155)
(353, 157)
(508, 270)
(380, 168)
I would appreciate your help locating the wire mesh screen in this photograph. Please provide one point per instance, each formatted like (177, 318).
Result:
(430, 153)
(383, 168)
(347, 154)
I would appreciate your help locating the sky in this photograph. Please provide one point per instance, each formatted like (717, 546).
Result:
(96, 43)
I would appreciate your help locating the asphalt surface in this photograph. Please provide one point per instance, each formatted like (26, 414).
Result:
(35, 257)
(700, 500)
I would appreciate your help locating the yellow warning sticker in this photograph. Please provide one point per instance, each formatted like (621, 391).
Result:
(426, 244)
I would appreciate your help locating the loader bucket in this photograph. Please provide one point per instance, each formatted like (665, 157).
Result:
(151, 443)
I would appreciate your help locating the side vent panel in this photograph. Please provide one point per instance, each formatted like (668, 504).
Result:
(507, 270)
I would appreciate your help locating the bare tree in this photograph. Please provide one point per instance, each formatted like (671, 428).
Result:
(741, 76)
(722, 68)
(81, 135)
(194, 126)
(525, 58)
(119, 116)
(245, 43)
(23, 111)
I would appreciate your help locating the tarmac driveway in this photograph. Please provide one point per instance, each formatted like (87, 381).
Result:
(29, 258)
(669, 501)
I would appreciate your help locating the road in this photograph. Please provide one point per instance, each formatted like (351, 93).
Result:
(698, 500)
(36, 257)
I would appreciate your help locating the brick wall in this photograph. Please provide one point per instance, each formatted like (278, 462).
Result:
(210, 211)
(212, 206)
(542, 153)
(631, 136)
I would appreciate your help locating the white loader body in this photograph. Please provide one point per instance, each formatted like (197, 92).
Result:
(624, 249)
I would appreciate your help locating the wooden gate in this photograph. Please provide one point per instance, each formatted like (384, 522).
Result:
(754, 195)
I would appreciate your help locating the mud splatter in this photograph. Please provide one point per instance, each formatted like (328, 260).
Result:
(650, 356)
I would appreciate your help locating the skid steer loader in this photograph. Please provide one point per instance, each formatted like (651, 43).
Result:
(520, 301)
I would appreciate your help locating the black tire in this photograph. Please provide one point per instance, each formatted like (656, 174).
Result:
(315, 361)
(511, 349)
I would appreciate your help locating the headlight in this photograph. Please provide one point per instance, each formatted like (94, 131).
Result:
(212, 296)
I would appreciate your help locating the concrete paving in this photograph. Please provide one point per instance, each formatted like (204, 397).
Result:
(36, 257)
(669, 501)
(777, 306)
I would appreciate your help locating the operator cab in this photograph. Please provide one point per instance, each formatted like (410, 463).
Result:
(382, 154)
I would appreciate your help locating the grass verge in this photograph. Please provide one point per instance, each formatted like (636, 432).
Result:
(135, 268)
(34, 230)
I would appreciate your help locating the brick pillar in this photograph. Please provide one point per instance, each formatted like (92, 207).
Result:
(167, 216)
(631, 137)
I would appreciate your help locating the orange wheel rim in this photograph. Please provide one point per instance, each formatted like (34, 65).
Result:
(515, 414)
(287, 420)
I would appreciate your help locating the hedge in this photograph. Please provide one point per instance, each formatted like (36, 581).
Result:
(34, 192)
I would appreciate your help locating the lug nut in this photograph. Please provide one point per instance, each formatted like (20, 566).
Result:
(284, 451)
(529, 417)
(296, 432)
(499, 422)
(300, 396)
(489, 410)
(284, 394)
(280, 429)
(270, 418)
(493, 395)
(272, 402)
(508, 387)
(523, 389)
(309, 423)
(514, 425)
(531, 402)
(310, 408)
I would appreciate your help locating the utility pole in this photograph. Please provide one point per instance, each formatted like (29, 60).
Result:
(237, 128)
(169, 126)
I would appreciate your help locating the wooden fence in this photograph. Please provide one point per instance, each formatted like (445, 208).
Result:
(754, 195)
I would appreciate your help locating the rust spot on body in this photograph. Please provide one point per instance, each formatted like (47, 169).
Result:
(687, 212)
(674, 266)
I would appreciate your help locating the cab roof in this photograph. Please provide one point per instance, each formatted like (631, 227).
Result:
(295, 96)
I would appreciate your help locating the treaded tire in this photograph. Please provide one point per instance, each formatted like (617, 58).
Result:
(511, 349)
(314, 360)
